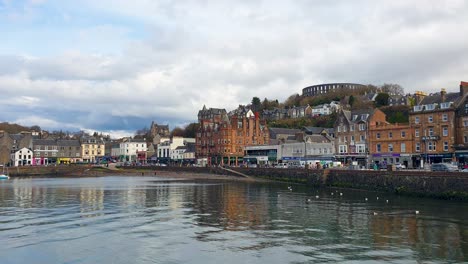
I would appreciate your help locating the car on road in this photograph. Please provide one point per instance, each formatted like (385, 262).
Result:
(400, 166)
(443, 167)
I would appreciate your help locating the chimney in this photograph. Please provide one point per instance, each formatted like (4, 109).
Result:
(463, 88)
(443, 95)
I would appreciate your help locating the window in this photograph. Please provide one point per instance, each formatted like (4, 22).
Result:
(446, 148)
(444, 117)
(345, 129)
(377, 135)
(431, 146)
(390, 147)
(445, 131)
(390, 135)
(362, 138)
(429, 119)
(465, 123)
(378, 148)
(343, 149)
(352, 139)
(445, 105)
(345, 139)
(417, 108)
(339, 128)
(362, 127)
(351, 128)
(431, 131)
(416, 132)
(416, 119)
(418, 147)
(403, 147)
(403, 134)
(430, 107)
(465, 139)
(466, 108)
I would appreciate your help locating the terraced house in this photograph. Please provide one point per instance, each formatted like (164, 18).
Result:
(222, 136)
(352, 134)
(92, 149)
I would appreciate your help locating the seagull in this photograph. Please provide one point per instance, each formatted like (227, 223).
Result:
(375, 213)
(332, 194)
(316, 196)
(387, 201)
(341, 194)
(377, 197)
(416, 212)
(366, 198)
(308, 200)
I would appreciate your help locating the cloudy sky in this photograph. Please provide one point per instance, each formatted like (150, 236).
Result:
(116, 65)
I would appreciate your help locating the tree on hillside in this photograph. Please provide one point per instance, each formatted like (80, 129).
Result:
(191, 130)
(269, 105)
(381, 99)
(351, 100)
(293, 100)
(391, 88)
(256, 104)
(177, 132)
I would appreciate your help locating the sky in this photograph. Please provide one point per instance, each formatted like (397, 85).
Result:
(114, 66)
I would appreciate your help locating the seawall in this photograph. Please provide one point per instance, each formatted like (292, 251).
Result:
(444, 185)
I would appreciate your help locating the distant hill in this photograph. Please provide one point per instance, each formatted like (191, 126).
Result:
(13, 128)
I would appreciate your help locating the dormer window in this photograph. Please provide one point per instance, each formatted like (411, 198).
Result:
(445, 105)
(430, 107)
(417, 108)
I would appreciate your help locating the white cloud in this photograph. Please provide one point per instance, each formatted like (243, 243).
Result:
(222, 53)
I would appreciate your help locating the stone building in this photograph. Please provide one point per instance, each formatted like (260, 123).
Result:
(392, 144)
(222, 136)
(352, 133)
(434, 124)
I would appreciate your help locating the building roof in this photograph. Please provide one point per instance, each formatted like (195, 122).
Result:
(313, 130)
(437, 98)
(69, 142)
(274, 132)
(44, 142)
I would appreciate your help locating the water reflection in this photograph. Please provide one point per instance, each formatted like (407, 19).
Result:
(156, 220)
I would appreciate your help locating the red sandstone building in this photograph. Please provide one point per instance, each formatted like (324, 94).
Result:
(222, 136)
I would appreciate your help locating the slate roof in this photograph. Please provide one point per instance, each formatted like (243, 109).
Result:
(68, 143)
(437, 98)
(274, 132)
(313, 130)
(45, 142)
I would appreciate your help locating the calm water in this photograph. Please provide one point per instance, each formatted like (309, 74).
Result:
(155, 220)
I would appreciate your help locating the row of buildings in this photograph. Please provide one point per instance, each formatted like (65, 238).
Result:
(31, 148)
(437, 132)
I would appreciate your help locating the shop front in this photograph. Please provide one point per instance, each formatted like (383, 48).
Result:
(384, 159)
(438, 158)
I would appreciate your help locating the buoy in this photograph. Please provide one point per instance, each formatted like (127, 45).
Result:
(316, 196)
(366, 198)
(332, 193)
(387, 201)
(341, 194)
(377, 197)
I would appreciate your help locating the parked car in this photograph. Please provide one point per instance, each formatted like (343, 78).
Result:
(400, 166)
(443, 167)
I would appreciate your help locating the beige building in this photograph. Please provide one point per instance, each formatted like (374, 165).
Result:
(92, 149)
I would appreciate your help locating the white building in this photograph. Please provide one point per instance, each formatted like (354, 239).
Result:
(173, 149)
(325, 109)
(22, 157)
(130, 148)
